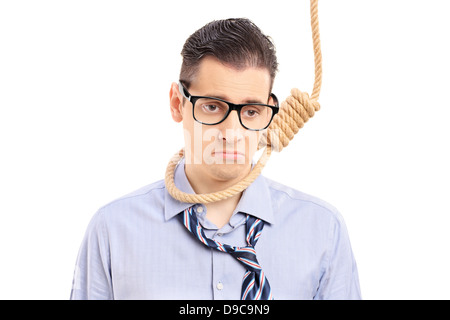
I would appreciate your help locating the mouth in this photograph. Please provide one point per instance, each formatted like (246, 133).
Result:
(232, 155)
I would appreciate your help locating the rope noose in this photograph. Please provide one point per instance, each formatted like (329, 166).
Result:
(294, 112)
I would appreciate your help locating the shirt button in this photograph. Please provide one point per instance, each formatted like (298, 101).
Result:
(199, 209)
(220, 234)
(219, 286)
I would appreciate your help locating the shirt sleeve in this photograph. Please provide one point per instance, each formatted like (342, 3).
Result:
(339, 280)
(92, 276)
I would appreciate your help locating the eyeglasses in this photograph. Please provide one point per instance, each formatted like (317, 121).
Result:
(211, 111)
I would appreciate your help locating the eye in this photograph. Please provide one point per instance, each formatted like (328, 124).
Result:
(250, 113)
(213, 107)
(210, 108)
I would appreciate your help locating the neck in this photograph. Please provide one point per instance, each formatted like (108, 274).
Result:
(221, 211)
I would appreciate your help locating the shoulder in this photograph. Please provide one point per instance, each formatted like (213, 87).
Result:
(153, 190)
(145, 199)
(291, 201)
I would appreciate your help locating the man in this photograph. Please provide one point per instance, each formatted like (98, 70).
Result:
(269, 241)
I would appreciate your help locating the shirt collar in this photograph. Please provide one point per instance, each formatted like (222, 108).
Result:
(172, 206)
(256, 199)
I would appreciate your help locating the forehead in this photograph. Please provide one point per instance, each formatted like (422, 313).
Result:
(217, 79)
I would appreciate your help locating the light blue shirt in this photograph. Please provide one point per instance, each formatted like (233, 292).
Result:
(136, 248)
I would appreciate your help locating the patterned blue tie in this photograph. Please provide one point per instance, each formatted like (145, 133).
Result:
(254, 285)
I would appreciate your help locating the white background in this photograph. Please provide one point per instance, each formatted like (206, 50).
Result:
(84, 119)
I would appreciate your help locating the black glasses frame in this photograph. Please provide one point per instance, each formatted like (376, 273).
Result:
(231, 107)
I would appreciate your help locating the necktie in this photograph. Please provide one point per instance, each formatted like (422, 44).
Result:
(254, 284)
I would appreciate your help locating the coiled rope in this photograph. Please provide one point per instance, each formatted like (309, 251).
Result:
(294, 112)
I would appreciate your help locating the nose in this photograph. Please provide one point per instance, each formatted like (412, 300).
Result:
(231, 129)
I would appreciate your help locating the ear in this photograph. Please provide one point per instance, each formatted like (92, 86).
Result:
(176, 103)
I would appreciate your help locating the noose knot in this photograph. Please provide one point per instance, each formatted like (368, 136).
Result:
(294, 112)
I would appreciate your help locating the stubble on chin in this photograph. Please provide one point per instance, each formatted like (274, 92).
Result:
(228, 172)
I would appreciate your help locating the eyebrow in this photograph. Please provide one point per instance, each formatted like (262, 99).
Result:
(225, 98)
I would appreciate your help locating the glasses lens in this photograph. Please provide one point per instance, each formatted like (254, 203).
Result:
(210, 111)
(256, 117)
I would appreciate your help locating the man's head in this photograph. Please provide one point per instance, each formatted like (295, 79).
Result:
(231, 60)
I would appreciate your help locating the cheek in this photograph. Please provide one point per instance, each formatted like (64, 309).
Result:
(190, 126)
(198, 139)
(189, 135)
(252, 140)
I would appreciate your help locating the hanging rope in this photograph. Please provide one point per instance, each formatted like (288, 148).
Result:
(294, 112)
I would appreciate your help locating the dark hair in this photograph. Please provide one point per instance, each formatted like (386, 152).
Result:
(235, 42)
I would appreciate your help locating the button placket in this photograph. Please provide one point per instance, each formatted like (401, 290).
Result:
(218, 272)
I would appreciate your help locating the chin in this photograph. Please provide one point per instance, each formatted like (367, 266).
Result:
(227, 171)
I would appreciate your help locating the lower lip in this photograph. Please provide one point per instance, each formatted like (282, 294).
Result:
(232, 156)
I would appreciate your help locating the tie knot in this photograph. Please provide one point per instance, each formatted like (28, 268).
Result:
(254, 227)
